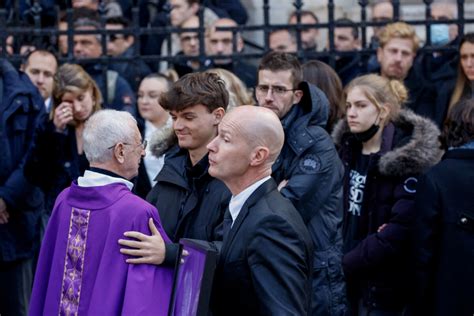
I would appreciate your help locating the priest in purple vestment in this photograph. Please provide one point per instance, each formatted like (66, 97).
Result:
(81, 270)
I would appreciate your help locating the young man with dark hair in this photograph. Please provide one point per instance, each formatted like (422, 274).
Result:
(310, 35)
(346, 39)
(308, 170)
(190, 202)
(283, 41)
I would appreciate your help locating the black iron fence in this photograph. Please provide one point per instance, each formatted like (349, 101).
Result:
(30, 27)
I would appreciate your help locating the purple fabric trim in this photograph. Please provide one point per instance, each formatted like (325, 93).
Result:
(74, 262)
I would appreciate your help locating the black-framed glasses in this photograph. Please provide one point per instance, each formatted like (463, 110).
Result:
(278, 90)
(143, 144)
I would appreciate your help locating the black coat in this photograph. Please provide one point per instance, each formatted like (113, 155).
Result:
(265, 263)
(188, 208)
(54, 162)
(429, 84)
(347, 67)
(115, 87)
(245, 72)
(378, 267)
(132, 71)
(350, 67)
(444, 237)
(21, 110)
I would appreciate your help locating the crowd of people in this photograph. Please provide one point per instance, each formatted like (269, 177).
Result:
(325, 190)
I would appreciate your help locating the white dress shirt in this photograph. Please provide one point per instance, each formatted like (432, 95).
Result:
(237, 201)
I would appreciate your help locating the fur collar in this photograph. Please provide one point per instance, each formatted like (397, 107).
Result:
(162, 140)
(415, 156)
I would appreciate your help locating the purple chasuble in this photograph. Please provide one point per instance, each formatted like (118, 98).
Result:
(81, 270)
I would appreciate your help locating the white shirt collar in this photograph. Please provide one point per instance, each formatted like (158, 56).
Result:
(47, 104)
(237, 201)
(95, 179)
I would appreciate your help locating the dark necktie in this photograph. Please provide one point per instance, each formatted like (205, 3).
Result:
(227, 224)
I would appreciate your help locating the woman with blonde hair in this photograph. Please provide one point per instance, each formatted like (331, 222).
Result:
(58, 157)
(384, 148)
(238, 92)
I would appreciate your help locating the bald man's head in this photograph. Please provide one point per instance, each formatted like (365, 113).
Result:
(259, 126)
(248, 142)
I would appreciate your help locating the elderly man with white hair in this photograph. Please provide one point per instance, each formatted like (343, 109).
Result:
(80, 269)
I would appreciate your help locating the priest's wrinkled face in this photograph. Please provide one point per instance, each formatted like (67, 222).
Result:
(133, 153)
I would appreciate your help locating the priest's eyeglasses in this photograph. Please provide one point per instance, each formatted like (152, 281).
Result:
(277, 90)
(143, 144)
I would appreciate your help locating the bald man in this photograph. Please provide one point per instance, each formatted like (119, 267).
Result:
(266, 257)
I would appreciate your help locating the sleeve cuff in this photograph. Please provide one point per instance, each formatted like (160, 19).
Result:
(171, 254)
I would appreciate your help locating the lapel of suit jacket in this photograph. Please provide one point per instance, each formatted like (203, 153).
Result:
(262, 190)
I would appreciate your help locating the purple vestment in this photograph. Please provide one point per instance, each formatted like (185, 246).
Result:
(81, 270)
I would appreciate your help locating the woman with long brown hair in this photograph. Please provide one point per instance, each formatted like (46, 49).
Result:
(58, 157)
(464, 88)
(451, 92)
(325, 78)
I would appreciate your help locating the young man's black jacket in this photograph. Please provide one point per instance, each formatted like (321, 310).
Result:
(190, 202)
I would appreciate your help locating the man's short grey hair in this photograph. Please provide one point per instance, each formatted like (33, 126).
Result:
(89, 23)
(105, 129)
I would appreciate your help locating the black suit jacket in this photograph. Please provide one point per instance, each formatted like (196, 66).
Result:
(265, 262)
